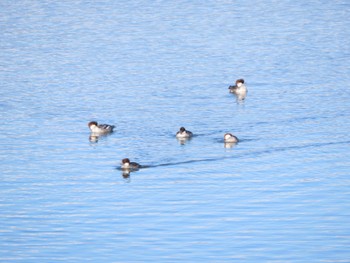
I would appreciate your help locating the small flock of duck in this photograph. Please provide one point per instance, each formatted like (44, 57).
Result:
(239, 89)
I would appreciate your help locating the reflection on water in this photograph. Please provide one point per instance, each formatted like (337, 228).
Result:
(126, 175)
(229, 144)
(93, 138)
(183, 141)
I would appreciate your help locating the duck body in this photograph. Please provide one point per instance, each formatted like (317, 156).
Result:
(100, 128)
(239, 89)
(127, 165)
(183, 134)
(229, 137)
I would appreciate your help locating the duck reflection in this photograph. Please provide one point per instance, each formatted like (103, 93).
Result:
(126, 176)
(183, 141)
(93, 138)
(229, 145)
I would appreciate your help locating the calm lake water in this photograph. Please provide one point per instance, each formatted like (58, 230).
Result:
(282, 194)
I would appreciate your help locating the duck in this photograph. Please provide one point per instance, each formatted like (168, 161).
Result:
(183, 133)
(239, 89)
(127, 165)
(229, 137)
(100, 128)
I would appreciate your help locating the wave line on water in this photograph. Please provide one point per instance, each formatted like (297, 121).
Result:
(279, 149)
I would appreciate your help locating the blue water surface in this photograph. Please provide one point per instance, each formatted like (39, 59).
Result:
(282, 194)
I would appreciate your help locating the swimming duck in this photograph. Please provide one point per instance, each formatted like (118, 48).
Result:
(239, 89)
(229, 137)
(127, 165)
(100, 128)
(183, 133)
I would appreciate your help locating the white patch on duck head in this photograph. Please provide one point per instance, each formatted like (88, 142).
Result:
(228, 136)
(239, 82)
(126, 162)
(92, 124)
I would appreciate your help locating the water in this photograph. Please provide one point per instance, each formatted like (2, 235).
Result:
(281, 195)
